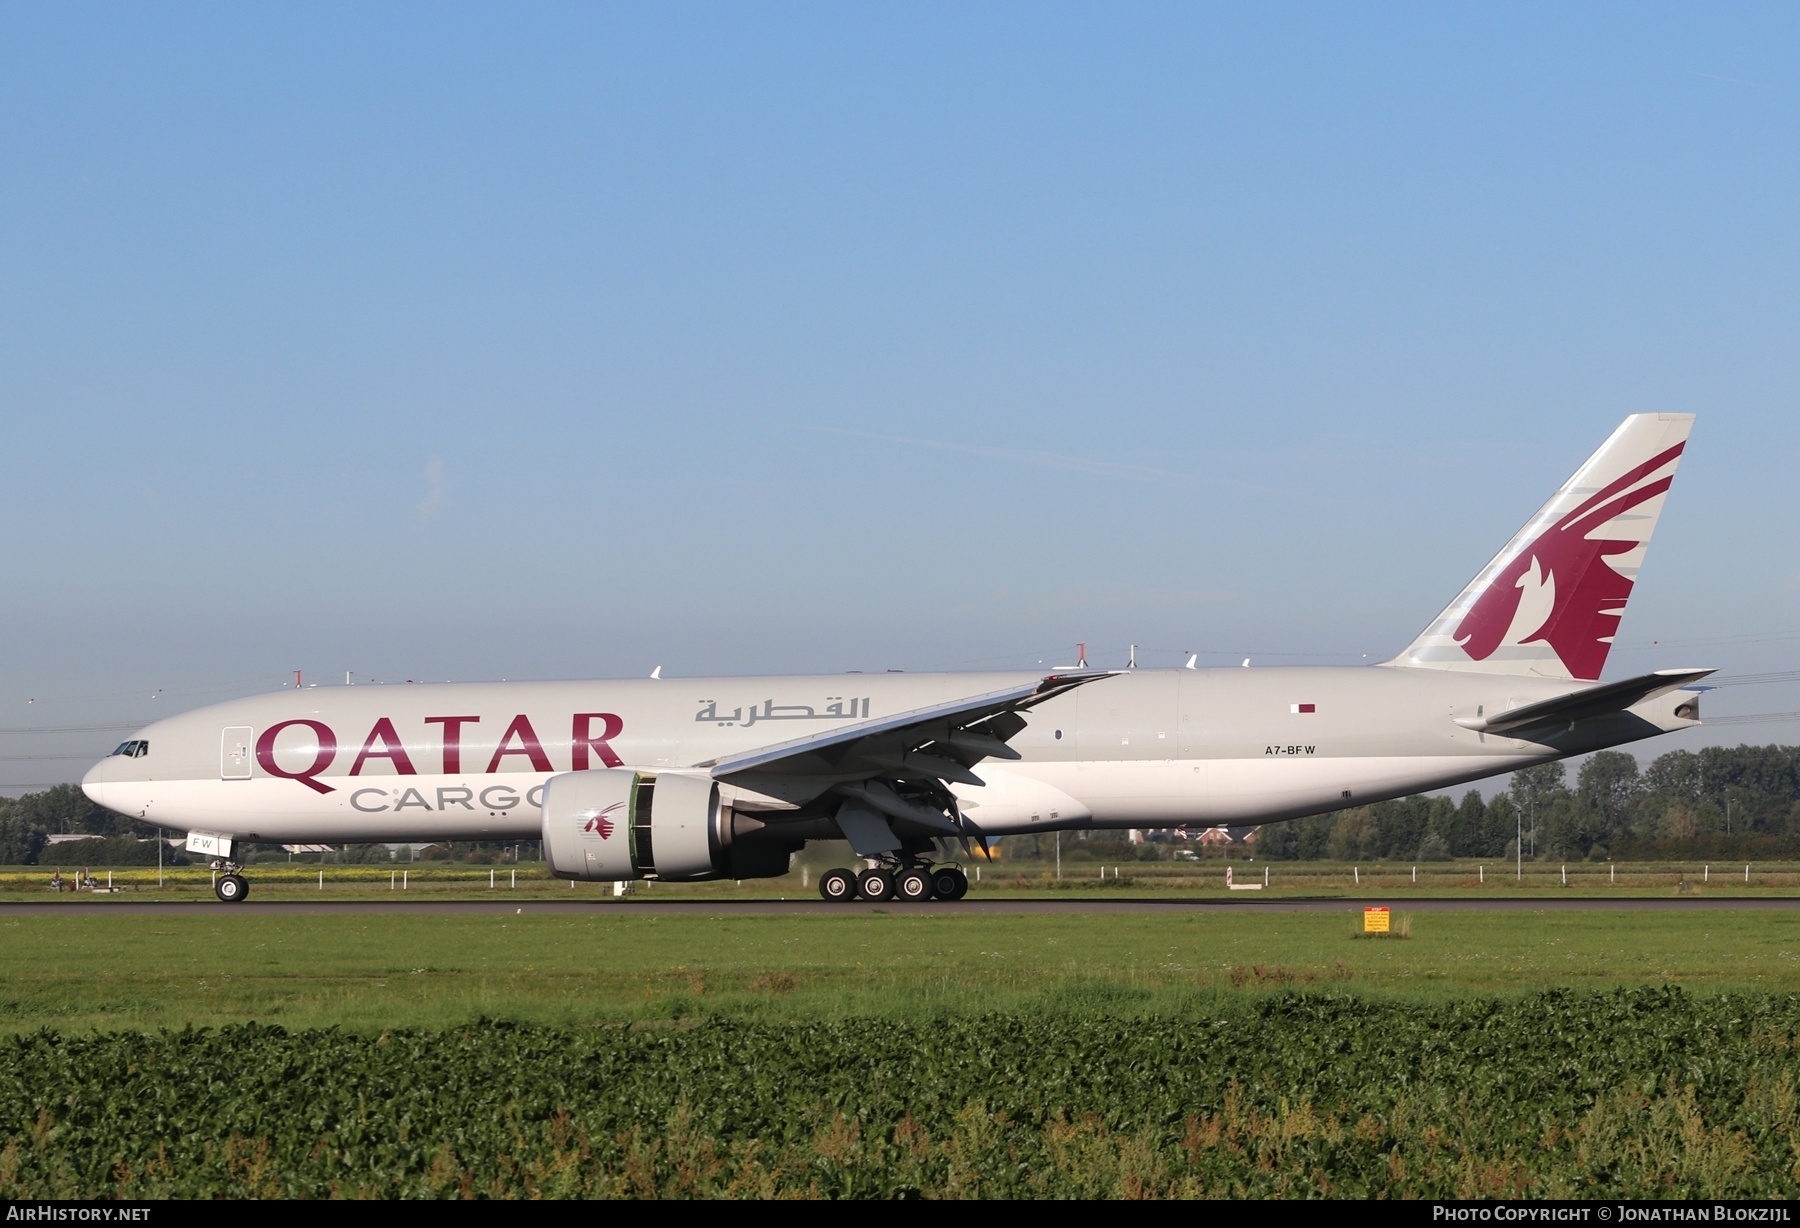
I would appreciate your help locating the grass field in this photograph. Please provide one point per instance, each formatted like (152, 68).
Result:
(366, 973)
(898, 1051)
(1146, 880)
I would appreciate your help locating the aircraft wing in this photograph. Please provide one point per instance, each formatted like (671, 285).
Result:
(940, 742)
(1592, 701)
(888, 780)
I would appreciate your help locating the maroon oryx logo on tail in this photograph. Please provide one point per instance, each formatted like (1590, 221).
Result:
(1568, 573)
(600, 822)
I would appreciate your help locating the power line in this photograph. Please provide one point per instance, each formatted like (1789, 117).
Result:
(1783, 675)
(1748, 637)
(238, 687)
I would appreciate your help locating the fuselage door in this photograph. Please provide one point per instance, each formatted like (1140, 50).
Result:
(234, 752)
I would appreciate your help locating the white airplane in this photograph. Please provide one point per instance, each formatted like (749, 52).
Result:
(711, 778)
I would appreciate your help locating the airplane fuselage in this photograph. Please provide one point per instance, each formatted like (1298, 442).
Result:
(1145, 748)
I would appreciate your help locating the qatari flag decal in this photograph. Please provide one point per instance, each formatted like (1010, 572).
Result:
(1302, 708)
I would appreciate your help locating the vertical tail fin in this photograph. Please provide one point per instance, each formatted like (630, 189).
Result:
(1549, 603)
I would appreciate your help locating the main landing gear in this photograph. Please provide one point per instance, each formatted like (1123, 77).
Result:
(231, 887)
(911, 883)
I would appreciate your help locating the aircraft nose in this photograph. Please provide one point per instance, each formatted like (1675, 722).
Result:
(95, 782)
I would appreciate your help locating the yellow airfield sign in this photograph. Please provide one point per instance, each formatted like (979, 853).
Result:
(1375, 920)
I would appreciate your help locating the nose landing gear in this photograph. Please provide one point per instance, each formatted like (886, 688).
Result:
(231, 887)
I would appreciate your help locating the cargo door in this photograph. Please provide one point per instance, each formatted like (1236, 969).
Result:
(234, 752)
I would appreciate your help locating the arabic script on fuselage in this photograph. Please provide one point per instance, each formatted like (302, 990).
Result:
(835, 708)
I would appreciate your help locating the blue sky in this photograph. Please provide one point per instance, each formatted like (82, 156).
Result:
(480, 341)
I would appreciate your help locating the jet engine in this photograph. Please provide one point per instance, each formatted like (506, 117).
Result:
(617, 823)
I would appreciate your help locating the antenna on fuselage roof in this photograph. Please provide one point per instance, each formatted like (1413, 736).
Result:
(656, 673)
(1131, 662)
(1080, 657)
(1193, 660)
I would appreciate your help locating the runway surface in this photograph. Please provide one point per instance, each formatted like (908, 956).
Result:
(937, 908)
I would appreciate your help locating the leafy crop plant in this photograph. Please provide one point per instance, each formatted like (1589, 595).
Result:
(1635, 1093)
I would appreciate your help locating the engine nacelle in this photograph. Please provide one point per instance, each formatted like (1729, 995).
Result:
(617, 823)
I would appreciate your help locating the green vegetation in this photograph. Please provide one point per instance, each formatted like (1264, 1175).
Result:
(1721, 803)
(369, 972)
(1640, 1093)
(898, 1052)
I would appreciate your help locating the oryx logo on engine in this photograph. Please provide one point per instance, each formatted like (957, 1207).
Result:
(600, 822)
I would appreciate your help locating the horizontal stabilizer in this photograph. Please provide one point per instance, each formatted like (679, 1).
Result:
(1594, 701)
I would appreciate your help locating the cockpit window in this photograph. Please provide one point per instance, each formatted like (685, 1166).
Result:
(133, 750)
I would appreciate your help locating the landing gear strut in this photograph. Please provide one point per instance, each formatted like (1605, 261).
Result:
(231, 887)
(913, 882)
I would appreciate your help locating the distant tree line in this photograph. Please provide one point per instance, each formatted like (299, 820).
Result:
(28, 822)
(1720, 801)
